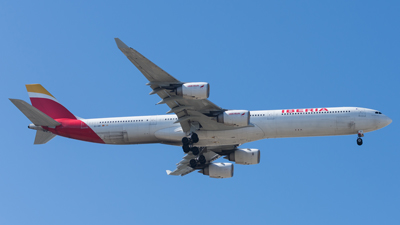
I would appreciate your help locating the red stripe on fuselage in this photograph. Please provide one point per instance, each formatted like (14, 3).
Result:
(75, 129)
(51, 108)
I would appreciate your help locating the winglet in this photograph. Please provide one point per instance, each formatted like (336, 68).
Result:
(168, 172)
(120, 44)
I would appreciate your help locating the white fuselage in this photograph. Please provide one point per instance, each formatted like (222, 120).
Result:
(266, 124)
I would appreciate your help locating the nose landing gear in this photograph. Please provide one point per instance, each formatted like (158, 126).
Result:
(360, 135)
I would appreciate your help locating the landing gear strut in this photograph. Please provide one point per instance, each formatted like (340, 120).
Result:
(360, 135)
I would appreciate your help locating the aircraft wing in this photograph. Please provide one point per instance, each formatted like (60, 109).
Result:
(192, 113)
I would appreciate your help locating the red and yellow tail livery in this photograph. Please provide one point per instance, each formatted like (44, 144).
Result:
(47, 103)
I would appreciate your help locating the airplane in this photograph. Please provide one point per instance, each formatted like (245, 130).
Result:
(204, 130)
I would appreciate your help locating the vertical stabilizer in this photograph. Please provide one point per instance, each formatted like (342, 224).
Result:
(47, 103)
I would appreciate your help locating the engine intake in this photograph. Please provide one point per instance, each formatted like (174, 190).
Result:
(245, 156)
(198, 90)
(219, 170)
(239, 118)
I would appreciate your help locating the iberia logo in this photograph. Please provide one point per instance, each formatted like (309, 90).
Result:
(237, 113)
(304, 110)
(202, 86)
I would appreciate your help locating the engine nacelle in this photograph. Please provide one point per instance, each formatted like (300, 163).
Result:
(239, 118)
(198, 90)
(245, 156)
(219, 170)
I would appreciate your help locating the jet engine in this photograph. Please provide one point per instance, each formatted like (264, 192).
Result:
(198, 90)
(239, 118)
(245, 156)
(218, 170)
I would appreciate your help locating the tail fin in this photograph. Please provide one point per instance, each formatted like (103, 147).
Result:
(34, 115)
(47, 103)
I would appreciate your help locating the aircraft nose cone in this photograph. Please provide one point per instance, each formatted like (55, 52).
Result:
(389, 121)
(386, 121)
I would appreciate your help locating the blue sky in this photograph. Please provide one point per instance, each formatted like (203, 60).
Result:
(256, 55)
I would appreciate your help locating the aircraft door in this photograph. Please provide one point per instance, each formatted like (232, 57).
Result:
(153, 120)
(362, 113)
(152, 124)
(270, 115)
(269, 128)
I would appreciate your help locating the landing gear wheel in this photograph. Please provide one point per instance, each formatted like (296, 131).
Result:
(195, 150)
(202, 160)
(359, 141)
(195, 138)
(193, 163)
(186, 148)
(185, 141)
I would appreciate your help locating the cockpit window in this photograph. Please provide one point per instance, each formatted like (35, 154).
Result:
(378, 112)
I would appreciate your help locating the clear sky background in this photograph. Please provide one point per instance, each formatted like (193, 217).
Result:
(256, 55)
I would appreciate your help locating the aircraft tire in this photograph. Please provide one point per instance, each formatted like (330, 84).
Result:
(202, 160)
(185, 141)
(359, 141)
(195, 150)
(195, 138)
(186, 148)
(193, 163)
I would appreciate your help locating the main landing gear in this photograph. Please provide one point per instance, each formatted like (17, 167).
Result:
(360, 135)
(187, 144)
(201, 160)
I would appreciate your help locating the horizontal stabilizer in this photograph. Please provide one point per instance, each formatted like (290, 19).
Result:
(36, 116)
(42, 137)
